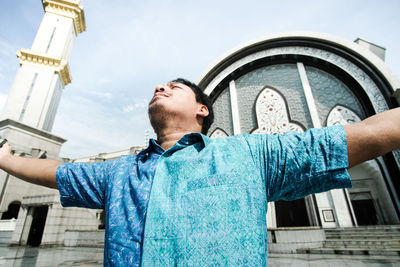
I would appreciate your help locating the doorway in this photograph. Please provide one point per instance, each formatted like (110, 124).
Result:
(291, 213)
(365, 212)
(37, 226)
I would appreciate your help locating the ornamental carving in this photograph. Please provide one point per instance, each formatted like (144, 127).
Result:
(218, 133)
(341, 115)
(358, 74)
(67, 8)
(60, 66)
(272, 114)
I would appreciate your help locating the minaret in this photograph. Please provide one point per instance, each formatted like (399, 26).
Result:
(28, 117)
(44, 71)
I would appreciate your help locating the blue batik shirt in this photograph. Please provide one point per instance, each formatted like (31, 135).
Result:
(208, 199)
(124, 199)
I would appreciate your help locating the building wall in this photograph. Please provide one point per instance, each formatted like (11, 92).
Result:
(329, 91)
(320, 87)
(250, 85)
(222, 113)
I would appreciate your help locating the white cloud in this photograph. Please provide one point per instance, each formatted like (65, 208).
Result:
(90, 135)
(128, 109)
(136, 107)
(106, 95)
(94, 126)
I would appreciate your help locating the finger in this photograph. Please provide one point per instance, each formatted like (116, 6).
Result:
(3, 142)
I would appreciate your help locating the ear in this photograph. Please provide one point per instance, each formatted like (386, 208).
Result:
(203, 111)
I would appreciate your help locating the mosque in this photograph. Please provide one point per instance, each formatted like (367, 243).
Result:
(283, 82)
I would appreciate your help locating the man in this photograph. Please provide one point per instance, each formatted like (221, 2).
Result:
(188, 200)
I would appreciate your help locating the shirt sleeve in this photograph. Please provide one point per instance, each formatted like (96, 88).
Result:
(83, 184)
(295, 165)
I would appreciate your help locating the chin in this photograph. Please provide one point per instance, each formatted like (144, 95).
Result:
(157, 108)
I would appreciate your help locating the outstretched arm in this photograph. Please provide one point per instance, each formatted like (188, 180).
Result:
(373, 136)
(37, 171)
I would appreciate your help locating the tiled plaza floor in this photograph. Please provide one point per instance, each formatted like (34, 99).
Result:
(91, 257)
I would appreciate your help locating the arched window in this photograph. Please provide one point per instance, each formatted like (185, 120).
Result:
(272, 114)
(218, 133)
(341, 115)
(12, 211)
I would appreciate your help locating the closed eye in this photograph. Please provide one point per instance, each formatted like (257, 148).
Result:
(173, 85)
(176, 86)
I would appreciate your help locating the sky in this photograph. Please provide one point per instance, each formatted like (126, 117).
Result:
(129, 47)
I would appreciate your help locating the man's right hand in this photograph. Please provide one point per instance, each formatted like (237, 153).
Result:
(37, 171)
(5, 151)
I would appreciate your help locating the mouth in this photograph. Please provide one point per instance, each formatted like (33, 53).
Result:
(157, 96)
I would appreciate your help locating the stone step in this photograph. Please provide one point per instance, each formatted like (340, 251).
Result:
(351, 251)
(362, 244)
(364, 233)
(370, 228)
(356, 230)
(366, 241)
(362, 247)
(362, 236)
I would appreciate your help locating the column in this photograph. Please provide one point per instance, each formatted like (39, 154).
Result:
(332, 205)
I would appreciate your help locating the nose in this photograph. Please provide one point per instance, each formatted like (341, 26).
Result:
(160, 88)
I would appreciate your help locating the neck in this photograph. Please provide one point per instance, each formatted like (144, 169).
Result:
(166, 139)
(170, 129)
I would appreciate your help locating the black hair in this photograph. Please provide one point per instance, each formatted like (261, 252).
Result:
(201, 98)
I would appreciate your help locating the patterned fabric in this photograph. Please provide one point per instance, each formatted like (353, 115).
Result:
(209, 197)
(208, 202)
(120, 187)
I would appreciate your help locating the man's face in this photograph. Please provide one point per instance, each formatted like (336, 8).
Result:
(174, 99)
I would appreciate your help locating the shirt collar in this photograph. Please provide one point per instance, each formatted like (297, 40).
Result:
(192, 138)
(152, 147)
(186, 140)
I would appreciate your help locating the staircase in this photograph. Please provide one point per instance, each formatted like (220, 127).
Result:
(363, 240)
